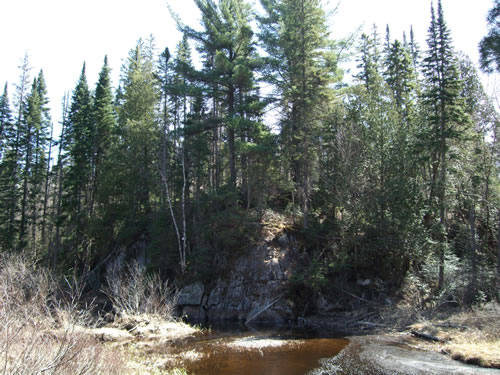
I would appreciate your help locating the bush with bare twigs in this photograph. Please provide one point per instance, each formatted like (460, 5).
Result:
(38, 334)
(134, 292)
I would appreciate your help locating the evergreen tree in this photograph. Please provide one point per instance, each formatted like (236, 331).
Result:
(33, 119)
(45, 144)
(139, 135)
(302, 67)
(104, 123)
(57, 217)
(7, 134)
(5, 120)
(228, 46)
(11, 163)
(400, 77)
(414, 51)
(41, 165)
(489, 47)
(79, 143)
(478, 175)
(446, 113)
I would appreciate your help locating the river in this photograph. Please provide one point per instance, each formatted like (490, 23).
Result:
(261, 350)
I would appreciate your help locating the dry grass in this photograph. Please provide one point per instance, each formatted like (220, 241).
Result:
(470, 336)
(274, 223)
(37, 326)
(485, 354)
(153, 327)
(48, 328)
(479, 343)
(37, 351)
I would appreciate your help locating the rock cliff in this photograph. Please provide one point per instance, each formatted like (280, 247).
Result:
(255, 289)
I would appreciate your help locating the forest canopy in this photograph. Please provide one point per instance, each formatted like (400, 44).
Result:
(393, 174)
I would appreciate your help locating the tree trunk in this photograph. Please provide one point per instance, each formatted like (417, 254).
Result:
(182, 254)
(442, 199)
(231, 140)
(57, 203)
(498, 258)
(46, 190)
(24, 202)
(473, 250)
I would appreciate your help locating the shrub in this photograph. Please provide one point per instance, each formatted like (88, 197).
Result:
(31, 341)
(133, 292)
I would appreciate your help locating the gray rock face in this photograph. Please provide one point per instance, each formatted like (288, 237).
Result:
(191, 295)
(255, 289)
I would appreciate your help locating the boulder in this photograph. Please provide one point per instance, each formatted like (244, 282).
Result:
(191, 295)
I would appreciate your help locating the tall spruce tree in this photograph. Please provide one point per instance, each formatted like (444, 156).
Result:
(489, 47)
(104, 118)
(7, 135)
(137, 148)
(33, 119)
(400, 76)
(302, 68)
(11, 161)
(445, 114)
(79, 141)
(5, 119)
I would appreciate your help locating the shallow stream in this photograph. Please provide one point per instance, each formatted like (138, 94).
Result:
(242, 350)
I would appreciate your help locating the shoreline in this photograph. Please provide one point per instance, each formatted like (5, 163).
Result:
(143, 340)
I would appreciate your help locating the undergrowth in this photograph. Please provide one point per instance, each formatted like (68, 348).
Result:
(46, 324)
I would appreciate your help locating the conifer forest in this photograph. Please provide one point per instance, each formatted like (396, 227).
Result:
(392, 175)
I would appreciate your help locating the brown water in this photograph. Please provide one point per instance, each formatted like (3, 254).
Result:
(244, 351)
(270, 352)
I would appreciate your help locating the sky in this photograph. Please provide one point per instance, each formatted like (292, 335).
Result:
(59, 35)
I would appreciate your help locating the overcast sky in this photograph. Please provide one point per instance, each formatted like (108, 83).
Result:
(59, 35)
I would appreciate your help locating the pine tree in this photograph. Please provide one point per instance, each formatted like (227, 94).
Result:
(57, 200)
(5, 119)
(11, 163)
(138, 135)
(302, 67)
(228, 45)
(7, 133)
(104, 118)
(376, 115)
(79, 142)
(45, 143)
(445, 106)
(414, 51)
(33, 119)
(33, 144)
(489, 47)
(400, 77)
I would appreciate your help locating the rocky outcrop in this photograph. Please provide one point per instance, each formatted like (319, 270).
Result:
(254, 290)
(190, 301)
(191, 295)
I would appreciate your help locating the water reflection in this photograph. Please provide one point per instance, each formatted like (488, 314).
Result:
(241, 350)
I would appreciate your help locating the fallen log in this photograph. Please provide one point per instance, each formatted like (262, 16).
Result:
(425, 336)
(262, 310)
(450, 325)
